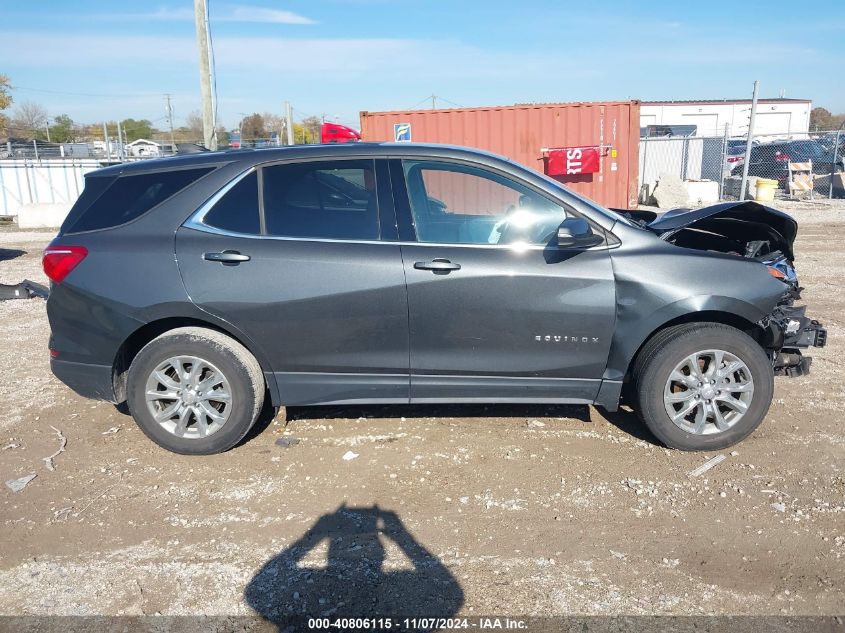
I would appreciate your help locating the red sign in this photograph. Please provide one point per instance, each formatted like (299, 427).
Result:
(571, 161)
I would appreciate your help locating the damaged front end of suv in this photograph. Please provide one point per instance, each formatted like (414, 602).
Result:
(753, 231)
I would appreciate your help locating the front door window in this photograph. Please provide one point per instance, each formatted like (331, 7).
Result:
(460, 204)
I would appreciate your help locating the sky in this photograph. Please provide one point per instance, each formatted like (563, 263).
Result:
(97, 59)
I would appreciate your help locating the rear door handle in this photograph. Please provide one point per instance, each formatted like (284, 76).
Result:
(441, 266)
(227, 258)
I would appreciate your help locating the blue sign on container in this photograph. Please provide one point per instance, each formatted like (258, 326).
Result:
(402, 132)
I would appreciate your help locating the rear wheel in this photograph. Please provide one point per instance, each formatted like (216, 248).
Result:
(195, 391)
(703, 386)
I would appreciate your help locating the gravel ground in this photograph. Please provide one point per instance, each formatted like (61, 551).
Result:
(466, 510)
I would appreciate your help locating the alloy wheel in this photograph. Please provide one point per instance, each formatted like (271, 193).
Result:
(189, 397)
(708, 392)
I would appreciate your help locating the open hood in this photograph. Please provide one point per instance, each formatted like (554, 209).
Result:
(747, 228)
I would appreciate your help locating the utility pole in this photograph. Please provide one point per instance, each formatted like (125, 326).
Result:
(748, 141)
(209, 127)
(106, 140)
(289, 121)
(47, 128)
(170, 122)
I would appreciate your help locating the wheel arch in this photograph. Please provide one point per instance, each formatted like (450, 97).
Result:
(705, 316)
(141, 336)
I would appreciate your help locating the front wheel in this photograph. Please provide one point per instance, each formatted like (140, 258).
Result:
(704, 387)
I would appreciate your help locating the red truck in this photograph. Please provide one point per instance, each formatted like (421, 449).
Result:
(336, 133)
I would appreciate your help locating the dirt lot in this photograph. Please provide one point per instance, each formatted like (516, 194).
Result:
(443, 510)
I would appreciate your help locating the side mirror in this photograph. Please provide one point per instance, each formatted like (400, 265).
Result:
(576, 233)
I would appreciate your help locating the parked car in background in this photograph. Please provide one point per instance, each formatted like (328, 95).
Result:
(734, 154)
(197, 288)
(771, 160)
(828, 141)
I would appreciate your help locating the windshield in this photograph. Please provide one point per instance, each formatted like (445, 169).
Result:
(807, 149)
(608, 213)
(611, 213)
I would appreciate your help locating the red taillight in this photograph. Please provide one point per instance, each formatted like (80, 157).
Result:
(58, 261)
(734, 159)
(781, 156)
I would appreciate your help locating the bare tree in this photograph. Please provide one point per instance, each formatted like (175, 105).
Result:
(311, 129)
(252, 127)
(5, 100)
(273, 123)
(194, 124)
(29, 119)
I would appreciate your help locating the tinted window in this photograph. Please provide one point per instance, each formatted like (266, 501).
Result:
(454, 204)
(806, 149)
(128, 197)
(326, 199)
(94, 188)
(237, 210)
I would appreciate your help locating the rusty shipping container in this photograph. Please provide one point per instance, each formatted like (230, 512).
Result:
(526, 133)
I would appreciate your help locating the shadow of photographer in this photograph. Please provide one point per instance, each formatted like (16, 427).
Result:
(356, 581)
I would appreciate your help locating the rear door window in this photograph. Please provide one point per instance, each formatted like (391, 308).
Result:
(128, 197)
(322, 199)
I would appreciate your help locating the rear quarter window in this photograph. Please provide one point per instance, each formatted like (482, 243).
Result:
(237, 211)
(126, 197)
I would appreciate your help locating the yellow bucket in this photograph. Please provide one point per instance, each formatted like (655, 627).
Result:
(765, 189)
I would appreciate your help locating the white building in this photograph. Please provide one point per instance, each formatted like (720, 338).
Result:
(142, 147)
(775, 117)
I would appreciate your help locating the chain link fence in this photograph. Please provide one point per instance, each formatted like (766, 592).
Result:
(710, 167)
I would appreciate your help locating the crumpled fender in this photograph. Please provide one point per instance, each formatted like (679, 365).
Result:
(633, 327)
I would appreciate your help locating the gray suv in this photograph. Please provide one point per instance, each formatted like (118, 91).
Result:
(197, 288)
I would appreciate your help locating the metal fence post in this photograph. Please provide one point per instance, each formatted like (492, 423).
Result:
(3, 190)
(748, 141)
(835, 158)
(645, 144)
(106, 140)
(724, 164)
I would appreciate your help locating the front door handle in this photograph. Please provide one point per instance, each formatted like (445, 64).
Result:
(227, 258)
(438, 266)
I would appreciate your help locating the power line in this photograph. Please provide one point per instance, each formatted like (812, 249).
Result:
(419, 103)
(82, 94)
(433, 98)
(457, 105)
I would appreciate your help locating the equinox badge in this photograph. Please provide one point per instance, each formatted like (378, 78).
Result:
(555, 338)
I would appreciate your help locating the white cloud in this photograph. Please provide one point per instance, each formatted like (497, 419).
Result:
(259, 14)
(408, 59)
(160, 14)
(221, 13)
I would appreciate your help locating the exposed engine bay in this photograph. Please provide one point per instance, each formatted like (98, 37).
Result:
(751, 230)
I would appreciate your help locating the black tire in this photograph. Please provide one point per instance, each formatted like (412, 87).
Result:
(240, 368)
(668, 348)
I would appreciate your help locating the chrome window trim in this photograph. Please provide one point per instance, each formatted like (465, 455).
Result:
(510, 247)
(197, 217)
(195, 221)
